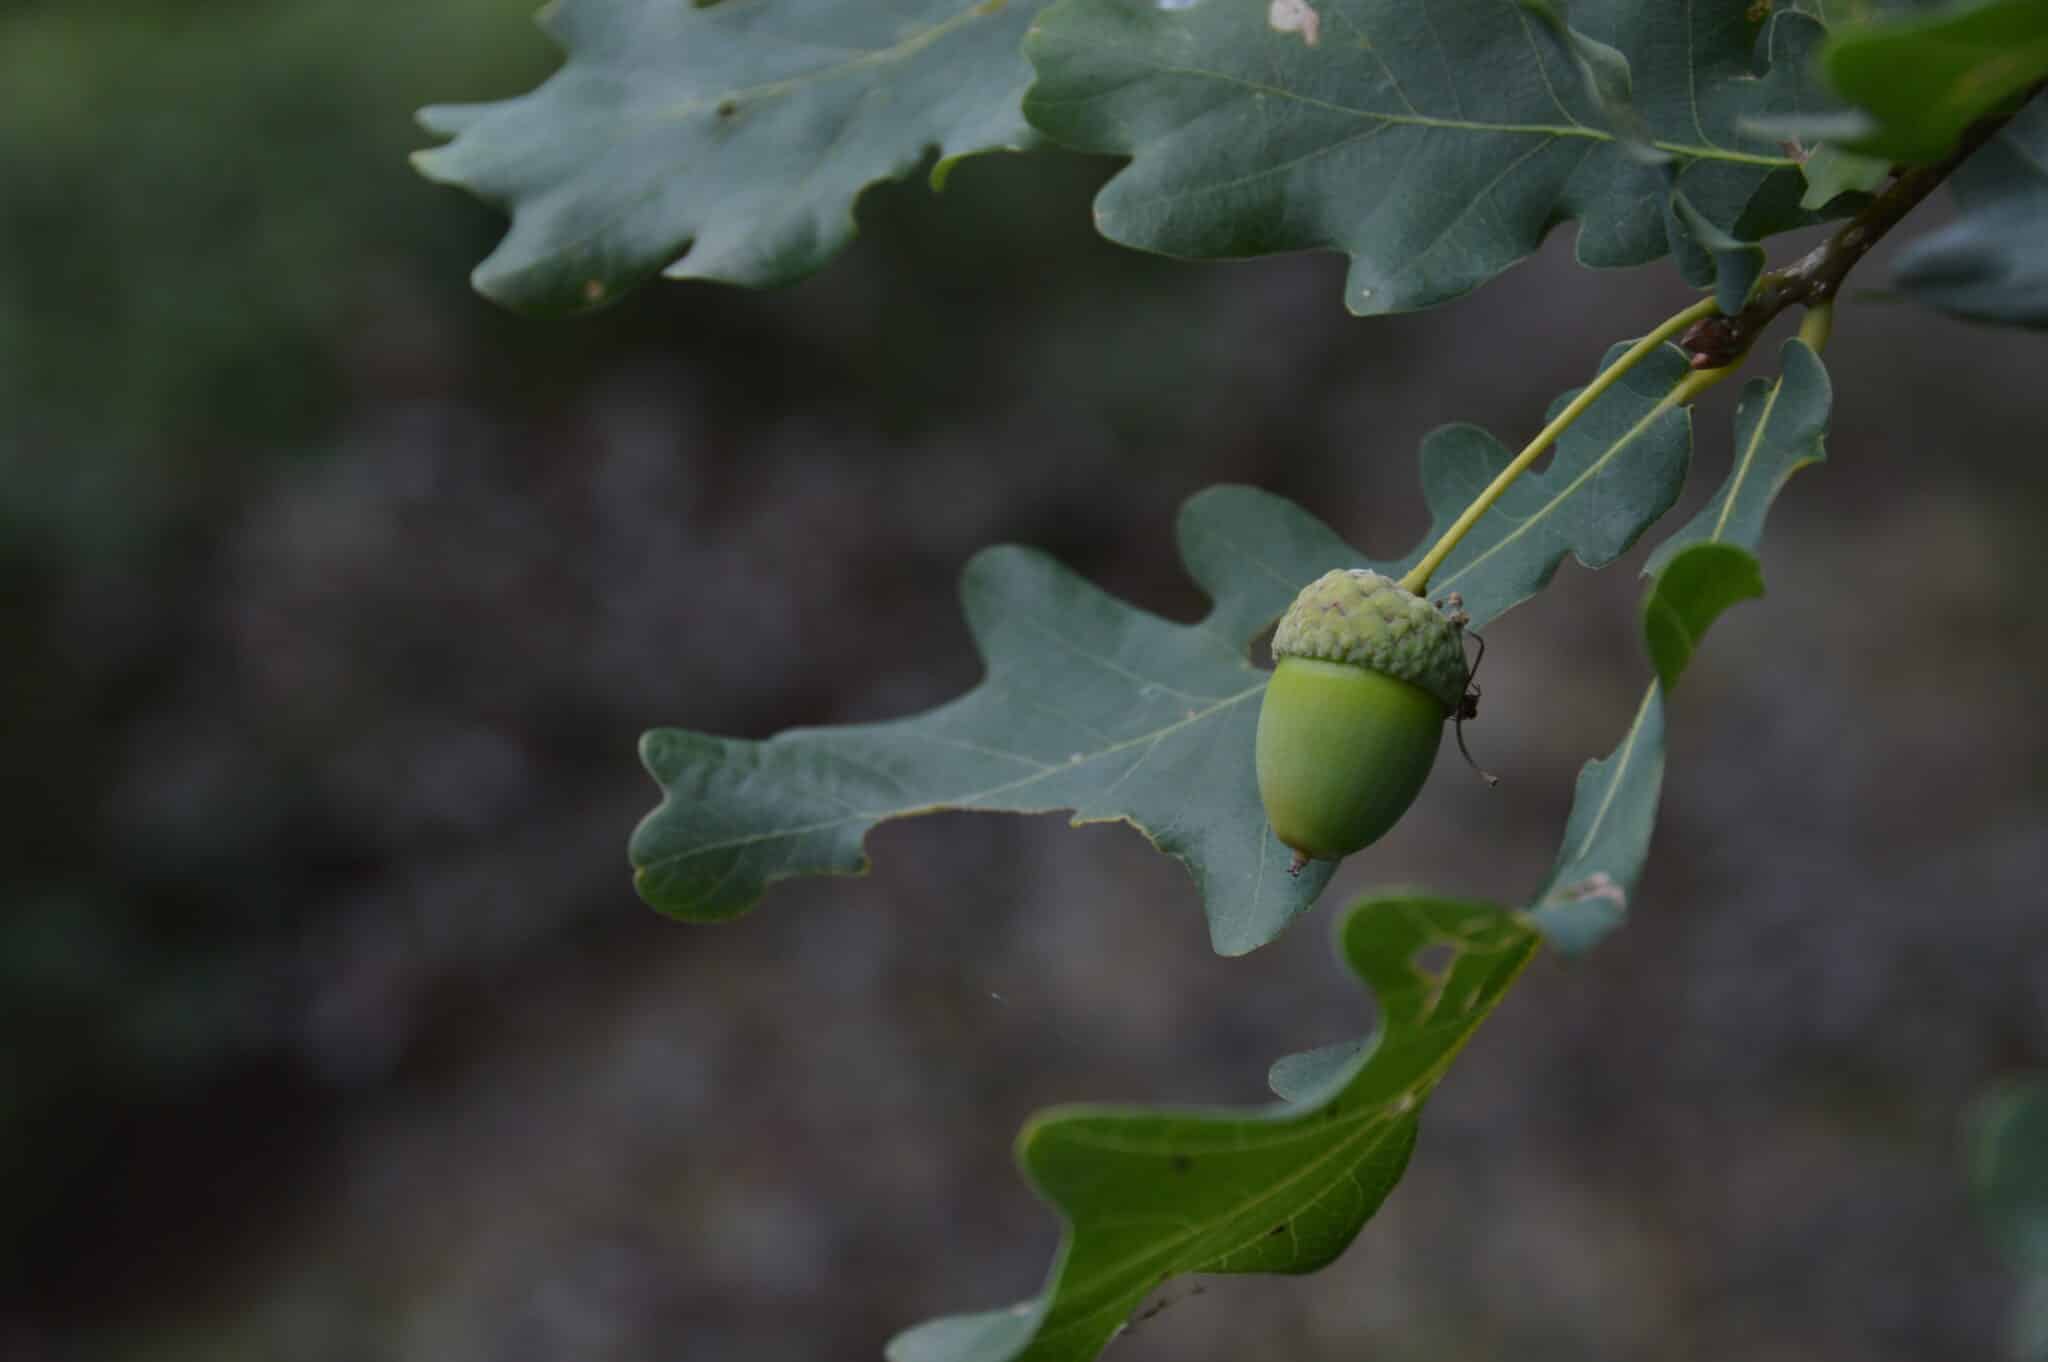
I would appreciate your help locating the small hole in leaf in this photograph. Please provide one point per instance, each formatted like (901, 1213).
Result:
(1434, 958)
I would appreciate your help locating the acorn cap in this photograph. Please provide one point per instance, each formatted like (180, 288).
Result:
(1358, 616)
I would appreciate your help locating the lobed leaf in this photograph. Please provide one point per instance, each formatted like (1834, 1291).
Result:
(1991, 263)
(1607, 78)
(1151, 1194)
(1617, 469)
(1698, 572)
(1699, 582)
(1434, 144)
(1780, 427)
(1607, 837)
(1731, 264)
(722, 139)
(1089, 704)
(1919, 79)
(1832, 172)
(1094, 706)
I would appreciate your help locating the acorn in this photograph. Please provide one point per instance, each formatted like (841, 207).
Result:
(1365, 673)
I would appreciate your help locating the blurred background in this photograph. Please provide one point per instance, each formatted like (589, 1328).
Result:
(334, 600)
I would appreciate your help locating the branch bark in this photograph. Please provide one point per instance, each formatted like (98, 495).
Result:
(1816, 277)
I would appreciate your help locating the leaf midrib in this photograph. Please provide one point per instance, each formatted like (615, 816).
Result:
(957, 801)
(1756, 439)
(1565, 493)
(1581, 130)
(1376, 1121)
(1625, 759)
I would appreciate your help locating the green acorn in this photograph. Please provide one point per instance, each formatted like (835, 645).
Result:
(1365, 674)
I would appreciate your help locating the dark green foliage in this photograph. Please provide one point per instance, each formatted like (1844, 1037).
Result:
(1918, 80)
(1149, 1195)
(1436, 145)
(1991, 264)
(1093, 706)
(1698, 572)
(722, 141)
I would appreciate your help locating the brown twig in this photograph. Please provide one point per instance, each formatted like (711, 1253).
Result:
(1816, 277)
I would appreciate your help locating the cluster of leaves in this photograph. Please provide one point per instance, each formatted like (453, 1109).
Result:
(1094, 705)
(1434, 145)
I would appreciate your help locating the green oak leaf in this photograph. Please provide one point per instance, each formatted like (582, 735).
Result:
(1699, 582)
(1920, 79)
(1151, 1194)
(1832, 172)
(1730, 263)
(1616, 470)
(1716, 212)
(722, 139)
(1299, 1077)
(1713, 219)
(1607, 837)
(1991, 263)
(1780, 427)
(1608, 80)
(2007, 1155)
(1434, 144)
(1089, 704)
(1093, 706)
(1704, 567)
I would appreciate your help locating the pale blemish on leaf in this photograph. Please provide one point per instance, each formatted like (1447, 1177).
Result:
(1296, 16)
(1598, 885)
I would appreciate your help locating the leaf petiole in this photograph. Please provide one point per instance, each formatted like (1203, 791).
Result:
(1694, 383)
(1817, 325)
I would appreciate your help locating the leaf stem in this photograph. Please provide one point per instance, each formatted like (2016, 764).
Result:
(1418, 577)
(1817, 325)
